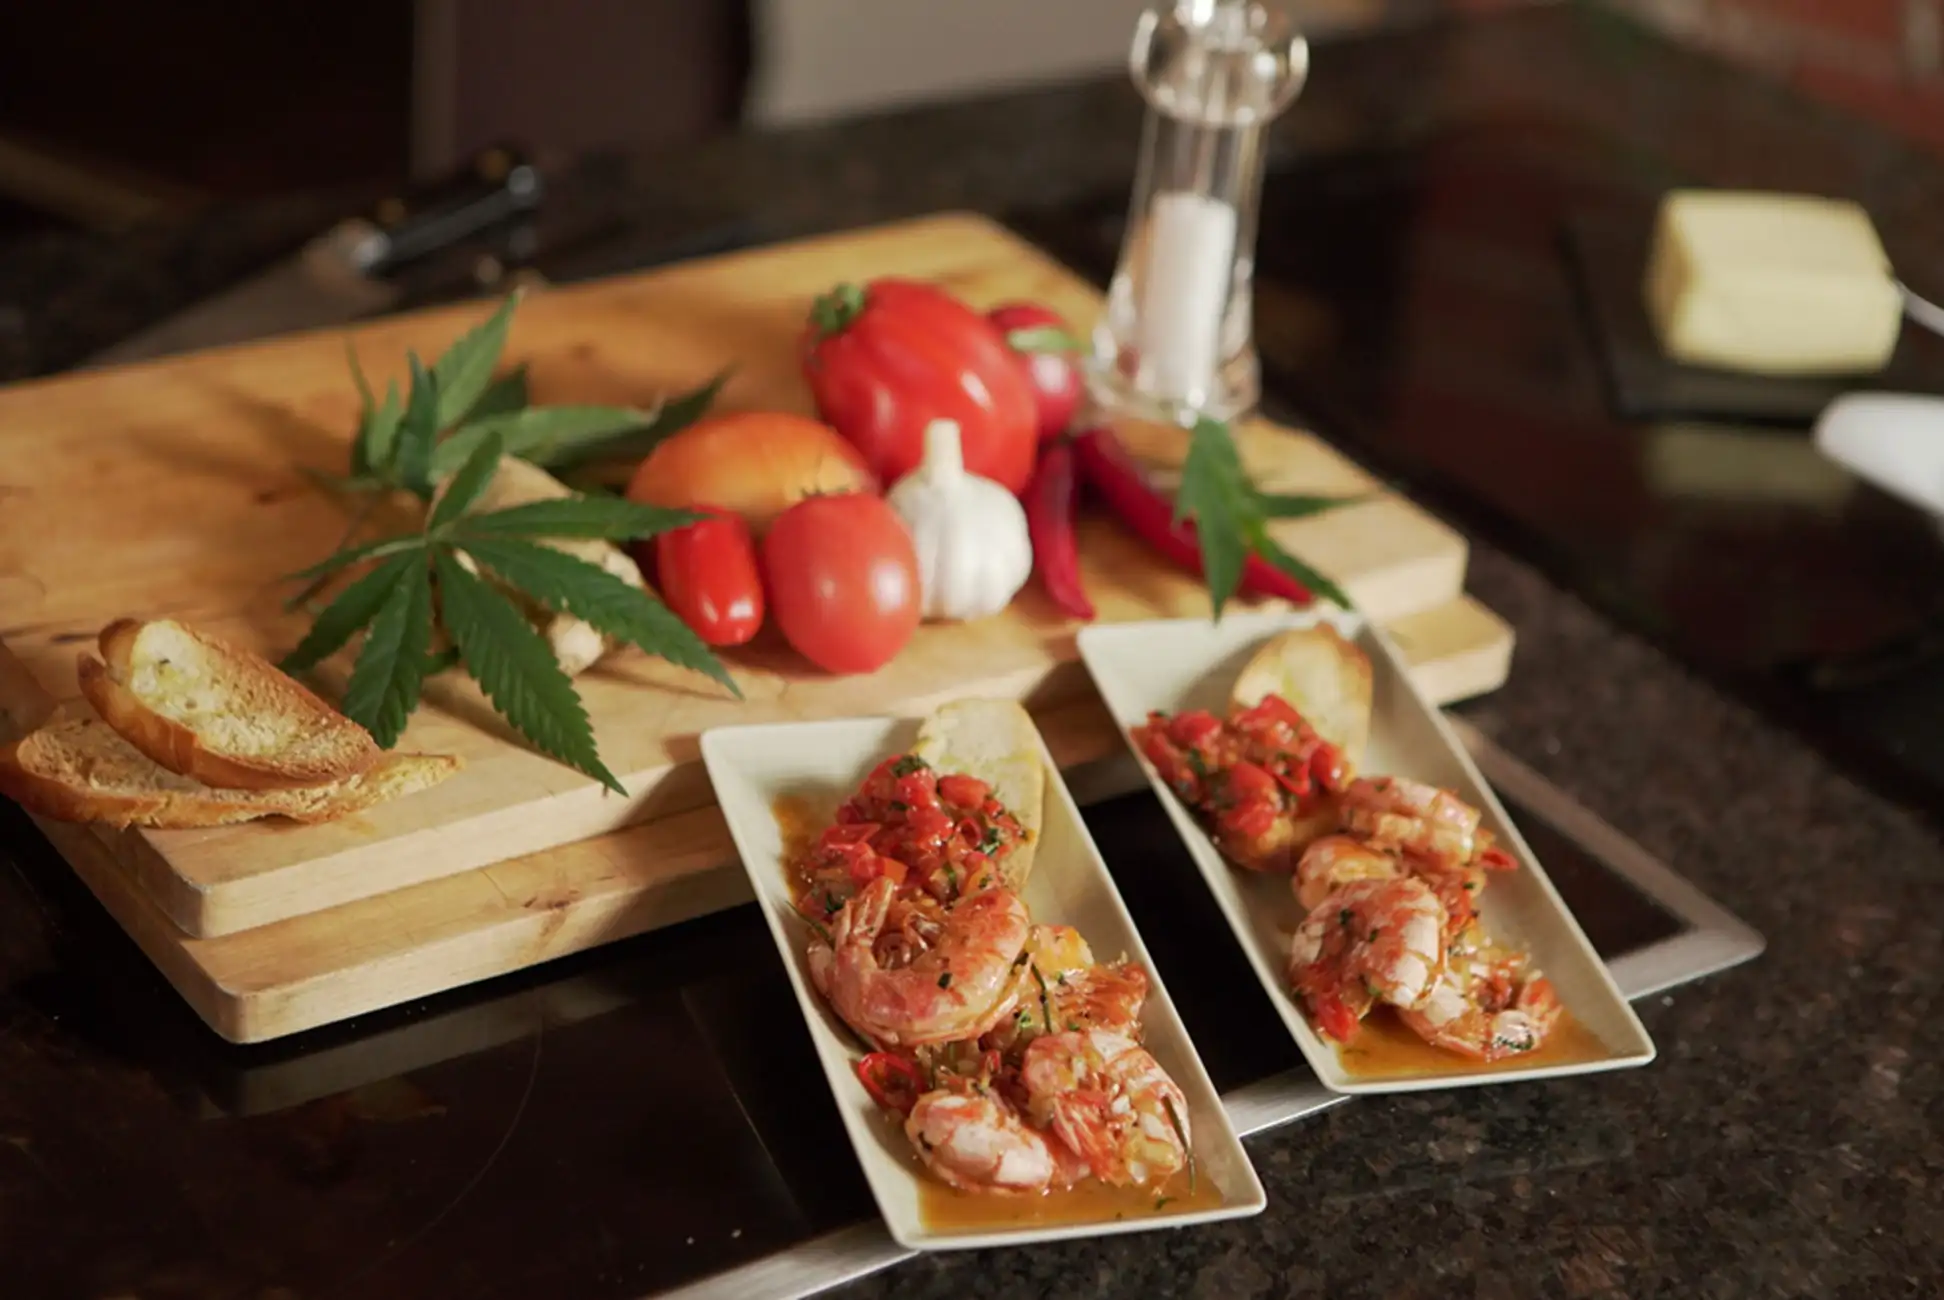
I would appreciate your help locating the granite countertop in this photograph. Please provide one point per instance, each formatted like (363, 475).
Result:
(1789, 1140)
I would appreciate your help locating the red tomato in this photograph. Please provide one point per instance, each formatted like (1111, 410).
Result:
(707, 573)
(843, 581)
(1047, 353)
(886, 360)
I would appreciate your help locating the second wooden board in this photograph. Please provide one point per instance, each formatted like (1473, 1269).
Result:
(441, 934)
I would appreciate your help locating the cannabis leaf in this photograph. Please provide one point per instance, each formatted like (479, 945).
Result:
(507, 393)
(476, 574)
(448, 409)
(674, 415)
(465, 370)
(467, 484)
(615, 608)
(1232, 519)
(517, 670)
(394, 604)
(574, 517)
(539, 433)
(385, 682)
(354, 607)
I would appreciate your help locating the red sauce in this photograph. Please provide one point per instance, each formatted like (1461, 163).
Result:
(943, 834)
(1262, 768)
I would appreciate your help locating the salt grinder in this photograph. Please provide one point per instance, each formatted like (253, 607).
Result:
(1176, 340)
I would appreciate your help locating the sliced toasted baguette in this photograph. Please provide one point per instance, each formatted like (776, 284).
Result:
(79, 769)
(1322, 676)
(218, 713)
(996, 741)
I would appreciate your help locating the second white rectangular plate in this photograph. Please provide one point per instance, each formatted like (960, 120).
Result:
(821, 763)
(1176, 664)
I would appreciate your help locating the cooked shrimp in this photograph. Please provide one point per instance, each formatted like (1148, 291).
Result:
(1488, 1004)
(1060, 986)
(973, 1140)
(1103, 1095)
(1366, 941)
(1337, 860)
(1435, 835)
(958, 986)
(1396, 815)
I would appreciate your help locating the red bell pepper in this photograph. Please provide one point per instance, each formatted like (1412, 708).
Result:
(885, 360)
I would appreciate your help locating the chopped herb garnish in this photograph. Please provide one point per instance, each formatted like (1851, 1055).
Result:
(1345, 917)
(945, 980)
(899, 805)
(1161, 1201)
(1046, 1005)
(908, 764)
(990, 843)
(822, 931)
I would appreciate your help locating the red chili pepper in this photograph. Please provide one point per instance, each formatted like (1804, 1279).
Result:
(1050, 502)
(894, 1081)
(1117, 477)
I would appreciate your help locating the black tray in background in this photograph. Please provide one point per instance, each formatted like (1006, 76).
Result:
(1608, 252)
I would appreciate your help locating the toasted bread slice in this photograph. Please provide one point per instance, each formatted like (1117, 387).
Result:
(218, 713)
(79, 769)
(1322, 676)
(996, 741)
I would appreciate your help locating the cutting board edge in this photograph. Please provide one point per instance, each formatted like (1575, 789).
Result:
(244, 1014)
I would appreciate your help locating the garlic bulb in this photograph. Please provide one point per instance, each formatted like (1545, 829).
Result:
(974, 553)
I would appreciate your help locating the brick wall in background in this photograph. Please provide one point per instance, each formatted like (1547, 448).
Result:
(1882, 59)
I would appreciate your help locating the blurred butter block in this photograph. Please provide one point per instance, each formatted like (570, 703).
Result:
(1771, 284)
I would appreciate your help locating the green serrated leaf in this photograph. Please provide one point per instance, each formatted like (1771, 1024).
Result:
(466, 485)
(1210, 494)
(503, 396)
(418, 430)
(354, 607)
(441, 660)
(351, 555)
(517, 670)
(669, 419)
(538, 433)
(602, 517)
(1278, 505)
(1269, 550)
(377, 441)
(386, 680)
(569, 585)
(465, 369)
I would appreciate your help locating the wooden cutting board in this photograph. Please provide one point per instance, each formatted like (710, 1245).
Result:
(179, 488)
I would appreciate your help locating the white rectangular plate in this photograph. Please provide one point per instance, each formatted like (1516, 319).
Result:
(753, 767)
(1177, 664)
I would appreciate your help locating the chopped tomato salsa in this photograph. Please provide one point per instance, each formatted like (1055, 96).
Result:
(943, 834)
(1252, 773)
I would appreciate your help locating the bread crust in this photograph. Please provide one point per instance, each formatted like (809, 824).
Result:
(257, 684)
(1322, 676)
(996, 741)
(38, 772)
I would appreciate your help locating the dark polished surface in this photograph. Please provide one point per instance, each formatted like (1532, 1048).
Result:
(564, 1134)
